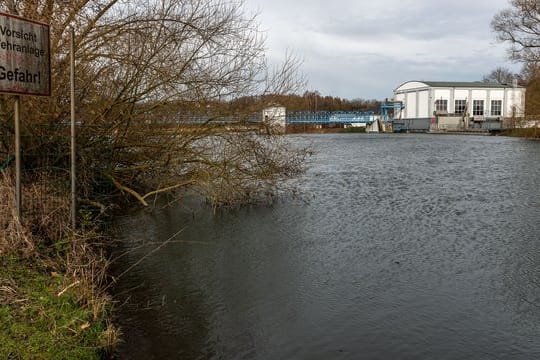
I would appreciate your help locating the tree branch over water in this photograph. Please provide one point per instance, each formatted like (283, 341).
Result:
(143, 69)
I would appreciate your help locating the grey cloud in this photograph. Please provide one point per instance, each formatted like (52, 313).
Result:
(366, 48)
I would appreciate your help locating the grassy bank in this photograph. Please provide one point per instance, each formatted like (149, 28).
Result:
(532, 133)
(52, 303)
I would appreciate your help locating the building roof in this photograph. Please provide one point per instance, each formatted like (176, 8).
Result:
(414, 85)
(466, 84)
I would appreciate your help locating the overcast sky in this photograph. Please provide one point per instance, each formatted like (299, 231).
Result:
(366, 48)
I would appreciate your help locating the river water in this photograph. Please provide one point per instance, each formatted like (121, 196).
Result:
(399, 247)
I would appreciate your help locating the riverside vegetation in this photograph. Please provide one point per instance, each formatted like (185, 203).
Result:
(144, 71)
(139, 65)
(52, 303)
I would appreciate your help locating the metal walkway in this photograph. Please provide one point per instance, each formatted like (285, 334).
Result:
(330, 117)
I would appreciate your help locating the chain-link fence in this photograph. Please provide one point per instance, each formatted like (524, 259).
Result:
(46, 176)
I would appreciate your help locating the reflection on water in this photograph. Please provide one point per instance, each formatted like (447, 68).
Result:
(401, 247)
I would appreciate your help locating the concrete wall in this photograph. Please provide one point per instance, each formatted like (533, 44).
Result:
(412, 125)
(450, 123)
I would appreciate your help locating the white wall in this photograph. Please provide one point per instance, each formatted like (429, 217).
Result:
(275, 116)
(515, 98)
(479, 95)
(461, 94)
(496, 94)
(410, 105)
(441, 94)
(415, 97)
(423, 104)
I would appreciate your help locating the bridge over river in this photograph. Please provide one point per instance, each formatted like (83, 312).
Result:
(279, 116)
(330, 117)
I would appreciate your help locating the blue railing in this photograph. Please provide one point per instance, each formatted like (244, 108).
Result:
(390, 109)
(330, 117)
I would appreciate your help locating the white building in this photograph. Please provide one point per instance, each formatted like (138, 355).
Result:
(457, 105)
(275, 118)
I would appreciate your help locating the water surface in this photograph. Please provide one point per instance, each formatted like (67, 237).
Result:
(401, 247)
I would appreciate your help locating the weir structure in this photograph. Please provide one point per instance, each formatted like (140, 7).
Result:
(389, 110)
(330, 117)
(276, 118)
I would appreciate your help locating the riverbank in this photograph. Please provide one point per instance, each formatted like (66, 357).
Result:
(531, 133)
(52, 299)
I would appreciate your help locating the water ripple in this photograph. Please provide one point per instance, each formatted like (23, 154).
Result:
(402, 246)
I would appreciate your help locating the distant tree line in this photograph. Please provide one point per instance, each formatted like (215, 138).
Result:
(308, 101)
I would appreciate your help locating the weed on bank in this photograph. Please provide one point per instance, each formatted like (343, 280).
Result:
(52, 302)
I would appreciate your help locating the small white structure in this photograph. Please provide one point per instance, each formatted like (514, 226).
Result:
(457, 105)
(275, 118)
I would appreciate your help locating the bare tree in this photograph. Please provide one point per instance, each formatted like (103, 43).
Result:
(500, 75)
(141, 66)
(520, 25)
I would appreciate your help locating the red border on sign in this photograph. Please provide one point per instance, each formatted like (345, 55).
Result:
(48, 51)
(24, 19)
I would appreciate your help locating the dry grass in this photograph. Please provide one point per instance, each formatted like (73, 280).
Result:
(14, 235)
(87, 265)
(110, 338)
(45, 217)
(44, 240)
(46, 208)
(9, 292)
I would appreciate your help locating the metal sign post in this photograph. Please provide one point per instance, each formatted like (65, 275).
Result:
(18, 161)
(24, 70)
(73, 138)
